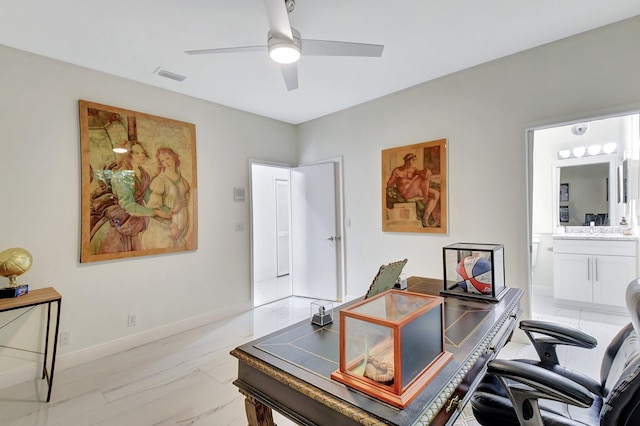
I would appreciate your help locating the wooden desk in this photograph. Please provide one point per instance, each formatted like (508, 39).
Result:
(289, 370)
(34, 298)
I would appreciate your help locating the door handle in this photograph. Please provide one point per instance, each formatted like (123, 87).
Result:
(596, 267)
(588, 268)
(331, 238)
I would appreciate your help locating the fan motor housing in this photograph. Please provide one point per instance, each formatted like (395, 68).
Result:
(282, 49)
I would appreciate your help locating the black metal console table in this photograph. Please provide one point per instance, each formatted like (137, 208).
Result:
(35, 298)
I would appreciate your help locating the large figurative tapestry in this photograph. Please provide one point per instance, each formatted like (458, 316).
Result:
(414, 188)
(139, 184)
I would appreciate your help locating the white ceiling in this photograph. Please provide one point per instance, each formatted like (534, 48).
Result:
(424, 39)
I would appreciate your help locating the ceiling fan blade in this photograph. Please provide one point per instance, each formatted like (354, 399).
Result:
(340, 48)
(290, 74)
(278, 17)
(243, 49)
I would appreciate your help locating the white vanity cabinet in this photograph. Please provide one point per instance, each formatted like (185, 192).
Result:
(593, 270)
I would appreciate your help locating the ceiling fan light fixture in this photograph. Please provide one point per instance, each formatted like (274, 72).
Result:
(283, 50)
(284, 54)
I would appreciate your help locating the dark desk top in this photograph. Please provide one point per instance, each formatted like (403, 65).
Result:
(309, 353)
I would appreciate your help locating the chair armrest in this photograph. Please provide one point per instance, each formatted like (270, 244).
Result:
(539, 383)
(555, 334)
(548, 384)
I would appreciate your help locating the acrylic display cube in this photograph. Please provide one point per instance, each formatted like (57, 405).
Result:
(392, 345)
(321, 312)
(474, 271)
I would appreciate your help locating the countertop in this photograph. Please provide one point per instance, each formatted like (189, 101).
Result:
(598, 236)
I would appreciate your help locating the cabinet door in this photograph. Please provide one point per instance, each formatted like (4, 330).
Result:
(611, 275)
(572, 277)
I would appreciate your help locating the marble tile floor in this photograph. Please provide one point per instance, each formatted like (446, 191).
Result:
(271, 290)
(186, 379)
(601, 325)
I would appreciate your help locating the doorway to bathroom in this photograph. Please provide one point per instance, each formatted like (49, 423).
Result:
(582, 173)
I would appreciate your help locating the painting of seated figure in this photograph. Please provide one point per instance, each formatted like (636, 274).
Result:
(414, 188)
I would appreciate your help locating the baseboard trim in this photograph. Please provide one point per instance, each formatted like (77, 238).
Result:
(349, 298)
(20, 375)
(265, 276)
(32, 370)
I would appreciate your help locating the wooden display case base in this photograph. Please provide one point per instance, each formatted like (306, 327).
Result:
(381, 392)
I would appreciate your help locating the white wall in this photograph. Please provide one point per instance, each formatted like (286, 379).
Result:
(484, 113)
(40, 187)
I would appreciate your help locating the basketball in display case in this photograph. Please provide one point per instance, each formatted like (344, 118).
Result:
(474, 271)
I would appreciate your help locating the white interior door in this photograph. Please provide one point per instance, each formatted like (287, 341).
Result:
(313, 230)
(282, 227)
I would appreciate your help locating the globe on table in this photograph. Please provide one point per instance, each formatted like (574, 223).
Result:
(13, 263)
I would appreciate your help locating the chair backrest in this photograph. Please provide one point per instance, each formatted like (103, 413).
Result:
(620, 372)
(632, 298)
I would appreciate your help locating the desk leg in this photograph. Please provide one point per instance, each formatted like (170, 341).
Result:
(258, 414)
(55, 350)
(46, 342)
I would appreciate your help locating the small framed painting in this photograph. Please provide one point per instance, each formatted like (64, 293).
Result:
(564, 192)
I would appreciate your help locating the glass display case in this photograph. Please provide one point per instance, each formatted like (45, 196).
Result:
(474, 271)
(321, 312)
(392, 345)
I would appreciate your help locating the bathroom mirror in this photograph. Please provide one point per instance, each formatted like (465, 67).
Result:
(587, 190)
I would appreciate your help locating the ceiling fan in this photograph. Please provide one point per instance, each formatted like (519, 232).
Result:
(285, 46)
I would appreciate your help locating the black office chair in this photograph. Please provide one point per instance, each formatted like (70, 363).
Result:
(517, 392)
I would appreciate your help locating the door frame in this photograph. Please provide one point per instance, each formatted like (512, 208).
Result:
(251, 163)
(528, 131)
(340, 244)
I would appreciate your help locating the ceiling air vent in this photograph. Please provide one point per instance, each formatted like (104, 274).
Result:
(163, 72)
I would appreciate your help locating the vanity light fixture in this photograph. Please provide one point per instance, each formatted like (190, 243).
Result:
(609, 148)
(594, 149)
(579, 151)
(564, 153)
